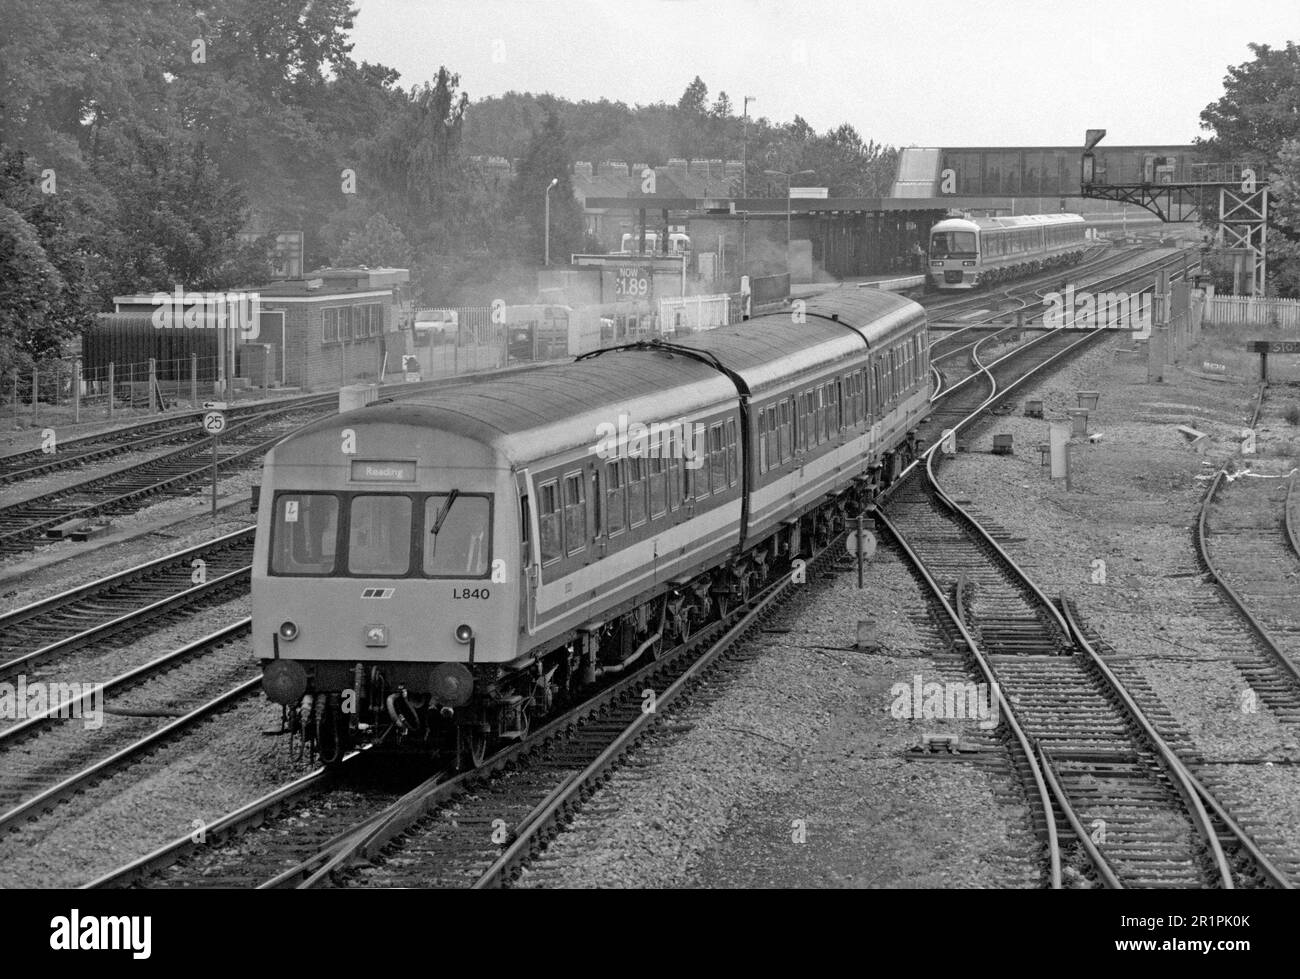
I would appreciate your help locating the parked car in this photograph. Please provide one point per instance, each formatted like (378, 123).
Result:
(436, 326)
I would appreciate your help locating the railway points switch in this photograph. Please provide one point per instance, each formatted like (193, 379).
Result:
(1089, 399)
(1002, 445)
(1044, 453)
(1079, 423)
(1033, 409)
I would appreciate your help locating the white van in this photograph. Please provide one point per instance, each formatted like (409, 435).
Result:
(436, 326)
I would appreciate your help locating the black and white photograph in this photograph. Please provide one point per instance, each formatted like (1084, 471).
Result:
(655, 445)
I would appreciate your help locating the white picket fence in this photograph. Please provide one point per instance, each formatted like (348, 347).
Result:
(1253, 311)
(687, 314)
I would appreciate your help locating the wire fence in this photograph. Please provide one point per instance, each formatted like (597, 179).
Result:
(67, 391)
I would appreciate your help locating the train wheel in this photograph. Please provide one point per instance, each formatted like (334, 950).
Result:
(473, 745)
(525, 719)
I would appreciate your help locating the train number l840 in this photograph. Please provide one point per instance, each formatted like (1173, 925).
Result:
(483, 593)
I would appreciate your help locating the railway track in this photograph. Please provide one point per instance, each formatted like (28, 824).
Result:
(1130, 799)
(451, 830)
(948, 346)
(139, 712)
(1248, 539)
(519, 795)
(20, 466)
(126, 604)
(176, 473)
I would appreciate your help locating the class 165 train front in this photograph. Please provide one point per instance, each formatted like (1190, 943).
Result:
(381, 601)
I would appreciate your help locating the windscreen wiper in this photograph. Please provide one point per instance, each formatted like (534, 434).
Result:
(442, 514)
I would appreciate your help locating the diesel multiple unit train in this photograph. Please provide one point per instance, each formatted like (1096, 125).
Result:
(966, 253)
(441, 572)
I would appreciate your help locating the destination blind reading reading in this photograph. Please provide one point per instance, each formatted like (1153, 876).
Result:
(382, 472)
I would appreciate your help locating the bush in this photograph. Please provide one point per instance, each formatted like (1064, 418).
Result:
(1292, 414)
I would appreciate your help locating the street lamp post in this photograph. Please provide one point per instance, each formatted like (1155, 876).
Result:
(549, 187)
(744, 186)
(788, 178)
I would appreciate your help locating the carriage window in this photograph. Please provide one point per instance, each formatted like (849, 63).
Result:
(774, 438)
(379, 535)
(673, 465)
(823, 410)
(548, 521)
(785, 439)
(615, 497)
(462, 547)
(717, 459)
(304, 533)
(636, 480)
(658, 486)
(699, 476)
(733, 466)
(762, 441)
(575, 513)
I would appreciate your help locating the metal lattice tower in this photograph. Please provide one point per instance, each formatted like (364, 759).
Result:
(1176, 192)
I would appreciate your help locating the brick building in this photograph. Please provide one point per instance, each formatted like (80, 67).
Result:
(333, 327)
(329, 328)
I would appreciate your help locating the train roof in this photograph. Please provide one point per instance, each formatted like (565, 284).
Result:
(535, 414)
(1019, 221)
(769, 349)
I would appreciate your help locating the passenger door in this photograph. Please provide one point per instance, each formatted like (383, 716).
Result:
(530, 558)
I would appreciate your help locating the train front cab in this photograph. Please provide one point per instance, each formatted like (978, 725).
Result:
(385, 597)
(954, 259)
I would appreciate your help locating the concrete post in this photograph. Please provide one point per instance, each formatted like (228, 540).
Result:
(153, 386)
(76, 390)
(110, 389)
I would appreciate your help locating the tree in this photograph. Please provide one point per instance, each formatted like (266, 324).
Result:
(1257, 121)
(1284, 224)
(380, 243)
(695, 100)
(47, 268)
(545, 160)
(1259, 109)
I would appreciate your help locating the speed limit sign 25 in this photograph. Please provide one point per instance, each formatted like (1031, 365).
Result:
(214, 422)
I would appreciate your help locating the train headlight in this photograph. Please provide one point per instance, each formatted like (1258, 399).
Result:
(464, 633)
(969, 264)
(288, 630)
(284, 681)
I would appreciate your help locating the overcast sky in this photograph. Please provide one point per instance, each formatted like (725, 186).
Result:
(923, 72)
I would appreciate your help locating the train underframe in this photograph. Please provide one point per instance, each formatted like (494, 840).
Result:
(452, 711)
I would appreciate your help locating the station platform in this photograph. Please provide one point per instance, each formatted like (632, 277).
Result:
(890, 283)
